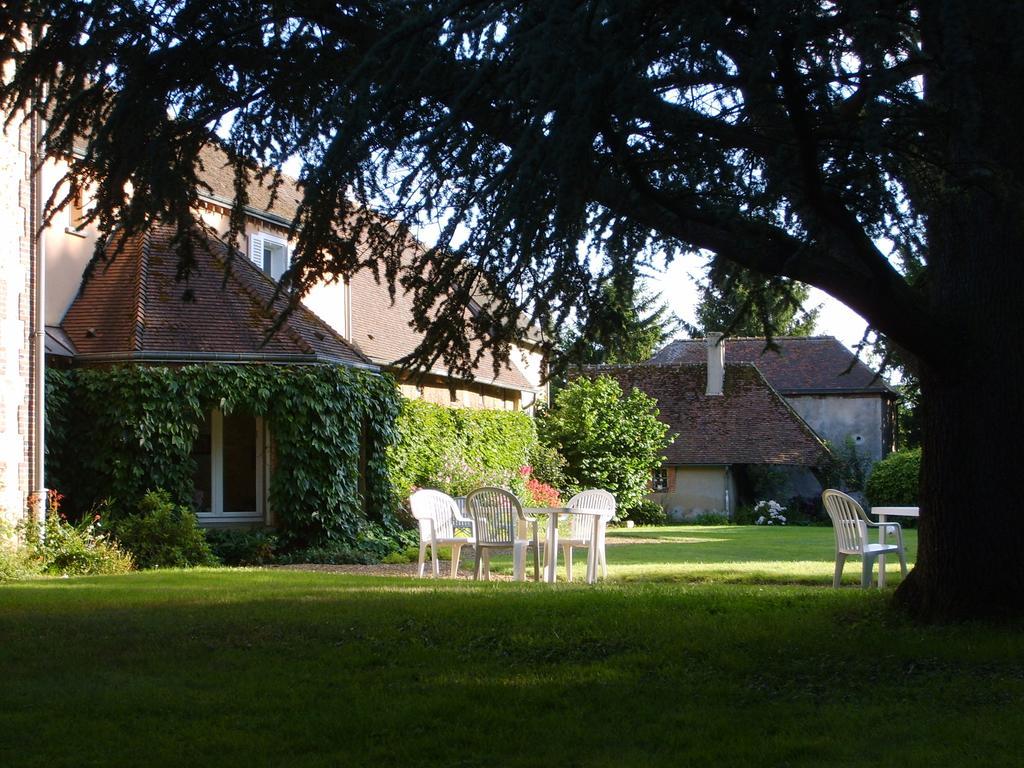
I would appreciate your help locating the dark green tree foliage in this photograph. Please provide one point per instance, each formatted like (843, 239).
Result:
(140, 425)
(610, 439)
(739, 303)
(571, 138)
(630, 326)
(896, 479)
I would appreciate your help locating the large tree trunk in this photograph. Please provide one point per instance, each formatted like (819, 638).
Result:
(971, 545)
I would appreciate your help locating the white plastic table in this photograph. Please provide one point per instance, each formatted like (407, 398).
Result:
(551, 539)
(883, 514)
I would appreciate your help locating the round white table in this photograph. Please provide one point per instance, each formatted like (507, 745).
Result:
(551, 539)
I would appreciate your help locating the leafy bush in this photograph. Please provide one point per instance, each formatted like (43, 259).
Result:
(744, 515)
(895, 479)
(609, 440)
(548, 465)
(711, 518)
(161, 534)
(333, 553)
(647, 512)
(242, 547)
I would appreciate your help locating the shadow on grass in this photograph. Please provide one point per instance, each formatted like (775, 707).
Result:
(266, 667)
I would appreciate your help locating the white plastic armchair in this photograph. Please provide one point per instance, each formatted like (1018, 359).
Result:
(851, 528)
(500, 523)
(440, 522)
(581, 533)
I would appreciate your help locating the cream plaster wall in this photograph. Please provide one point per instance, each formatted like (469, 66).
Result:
(861, 418)
(697, 490)
(68, 250)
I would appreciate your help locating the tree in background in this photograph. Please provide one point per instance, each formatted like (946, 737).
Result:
(559, 143)
(610, 440)
(739, 303)
(631, 325)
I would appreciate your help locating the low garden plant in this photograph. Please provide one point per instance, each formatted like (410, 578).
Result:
(162, 534)
(234, 547)
(647, 512)
(59, 547)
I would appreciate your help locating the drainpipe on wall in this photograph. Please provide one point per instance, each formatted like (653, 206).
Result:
(38, 323)
(716, 363)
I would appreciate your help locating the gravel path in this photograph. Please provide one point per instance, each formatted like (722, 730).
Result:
(409, 570)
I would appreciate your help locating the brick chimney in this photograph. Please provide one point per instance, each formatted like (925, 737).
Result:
(716, 363)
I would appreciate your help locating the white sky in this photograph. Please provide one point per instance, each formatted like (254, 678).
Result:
(678, 287)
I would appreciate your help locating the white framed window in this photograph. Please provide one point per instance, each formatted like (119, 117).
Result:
(269, 253)
(230, 455)
(659, 480)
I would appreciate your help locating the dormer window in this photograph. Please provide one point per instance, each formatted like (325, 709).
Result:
(269, 253)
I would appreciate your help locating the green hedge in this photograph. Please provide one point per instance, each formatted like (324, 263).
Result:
(117, 433)
(895, 480)
(439, 446)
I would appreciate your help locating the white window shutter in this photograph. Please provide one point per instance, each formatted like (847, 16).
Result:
(256, 249)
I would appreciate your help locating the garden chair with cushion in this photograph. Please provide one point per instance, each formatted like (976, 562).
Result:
(851, 528)
(500, 523)
(440, 522)
(581, 533)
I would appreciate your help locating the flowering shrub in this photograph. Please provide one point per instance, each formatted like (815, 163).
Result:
(769, 513)
(70, 549)
(538, 494)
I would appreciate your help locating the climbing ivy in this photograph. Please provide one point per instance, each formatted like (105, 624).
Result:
(116, 433)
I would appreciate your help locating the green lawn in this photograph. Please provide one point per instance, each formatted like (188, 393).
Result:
(255, 668)
(738, 554)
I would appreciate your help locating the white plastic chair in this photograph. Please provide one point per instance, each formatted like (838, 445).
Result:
(851, 528)
(500, 523)
(440, 522)
(580, 534)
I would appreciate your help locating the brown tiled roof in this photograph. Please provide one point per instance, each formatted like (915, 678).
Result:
(749, 423)
(220, 178)
(132, 307)
(383, 332)
(802, 365)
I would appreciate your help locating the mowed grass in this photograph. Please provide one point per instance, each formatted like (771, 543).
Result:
(738, 554)
(236, 667)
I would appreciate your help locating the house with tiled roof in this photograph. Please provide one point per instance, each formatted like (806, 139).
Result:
(725, 418)
(132, 310)
(840, 397)
(362, 310)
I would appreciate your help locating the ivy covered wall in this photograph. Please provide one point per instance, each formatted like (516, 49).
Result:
(457, 448)
(116, 433)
